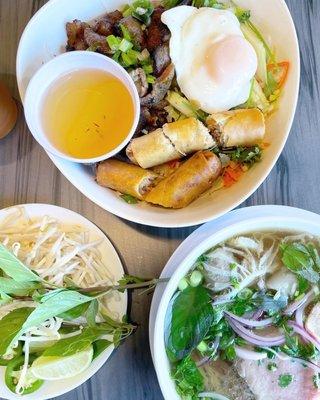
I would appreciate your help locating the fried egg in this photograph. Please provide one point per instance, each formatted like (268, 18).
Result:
(214, 62)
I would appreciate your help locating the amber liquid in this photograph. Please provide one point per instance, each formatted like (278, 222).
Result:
(87, 113)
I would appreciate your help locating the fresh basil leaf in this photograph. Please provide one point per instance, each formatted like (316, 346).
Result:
(91, 313)
(10, 326)
(4, 298)
(53, 305)
(14, 268)
(188, 379)
(75, 312)
(302, 260)
(10, 286)
(188, 321)
(76, 344)
(99, 346)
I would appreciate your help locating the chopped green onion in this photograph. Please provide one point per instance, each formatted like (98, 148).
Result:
(202, 347)
(196, 278)
(183, 284)
(151, 79)
(113, 42)
(148, 68)
(125, 45)
(125, 32)
(272, 367)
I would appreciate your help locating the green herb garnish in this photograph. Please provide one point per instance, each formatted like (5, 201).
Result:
(245, 155)
(189, 318)
(129, 199)
(188, 379)
(272, 367)
(140, 9)
(285, 380)
(303, 260)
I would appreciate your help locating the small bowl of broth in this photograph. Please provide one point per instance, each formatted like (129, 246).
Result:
(82, 106)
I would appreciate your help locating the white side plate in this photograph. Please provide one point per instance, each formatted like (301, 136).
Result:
(117, 305)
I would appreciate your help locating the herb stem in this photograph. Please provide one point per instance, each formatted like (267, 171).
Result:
(139, 285)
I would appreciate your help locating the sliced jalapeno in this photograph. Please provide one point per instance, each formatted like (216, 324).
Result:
(17, 352)
(15, 365)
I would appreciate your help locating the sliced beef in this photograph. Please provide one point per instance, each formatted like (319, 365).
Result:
(140, 80)
(98, 42)
(158, 33)
(159, 88)
(223, 378)
(264, 383)
(161, 57)
(106, 24)
(75, 33)
(135, 29)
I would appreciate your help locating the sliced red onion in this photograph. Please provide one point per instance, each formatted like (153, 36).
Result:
(301, 310)
(285, 357)
(247, 354)
(257, 314)
(252, 338)
(251, 322)
(298, 303)
(212, 395)
(304, 334)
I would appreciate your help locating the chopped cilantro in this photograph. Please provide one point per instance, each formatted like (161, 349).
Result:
(285, 380)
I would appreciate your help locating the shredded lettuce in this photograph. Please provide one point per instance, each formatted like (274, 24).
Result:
(184, 106)
(258, 99)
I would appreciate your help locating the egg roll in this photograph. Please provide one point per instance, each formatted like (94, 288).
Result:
(187, 182)
(173, 141)
(238, 127)
(125, 178)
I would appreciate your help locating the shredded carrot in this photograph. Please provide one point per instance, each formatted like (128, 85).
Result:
(280, 70)
(264, 145)
(232, 174)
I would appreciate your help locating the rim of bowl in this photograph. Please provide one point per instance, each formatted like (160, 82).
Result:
(68, 67)
(182, 269)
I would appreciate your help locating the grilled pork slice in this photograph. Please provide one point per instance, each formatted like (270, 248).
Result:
(264, 384)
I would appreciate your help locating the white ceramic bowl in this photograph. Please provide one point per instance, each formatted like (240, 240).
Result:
(246, 220)
(45, 37)
(117, 303)
(58, 67)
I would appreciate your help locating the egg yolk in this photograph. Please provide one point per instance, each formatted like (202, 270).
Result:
(231, 60)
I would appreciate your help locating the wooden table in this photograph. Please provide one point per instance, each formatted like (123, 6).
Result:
(27, 175)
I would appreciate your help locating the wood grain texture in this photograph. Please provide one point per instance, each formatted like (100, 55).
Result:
(27, 175)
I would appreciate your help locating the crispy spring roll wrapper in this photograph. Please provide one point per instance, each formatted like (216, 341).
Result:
(188, 135)
(175, 140)
(125, 178)
(188, 182)
(151, 149)
(238, 127)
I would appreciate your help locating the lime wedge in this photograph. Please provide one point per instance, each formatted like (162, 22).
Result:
(54, 368)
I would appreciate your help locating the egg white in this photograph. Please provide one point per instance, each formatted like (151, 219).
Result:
(193, 32)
